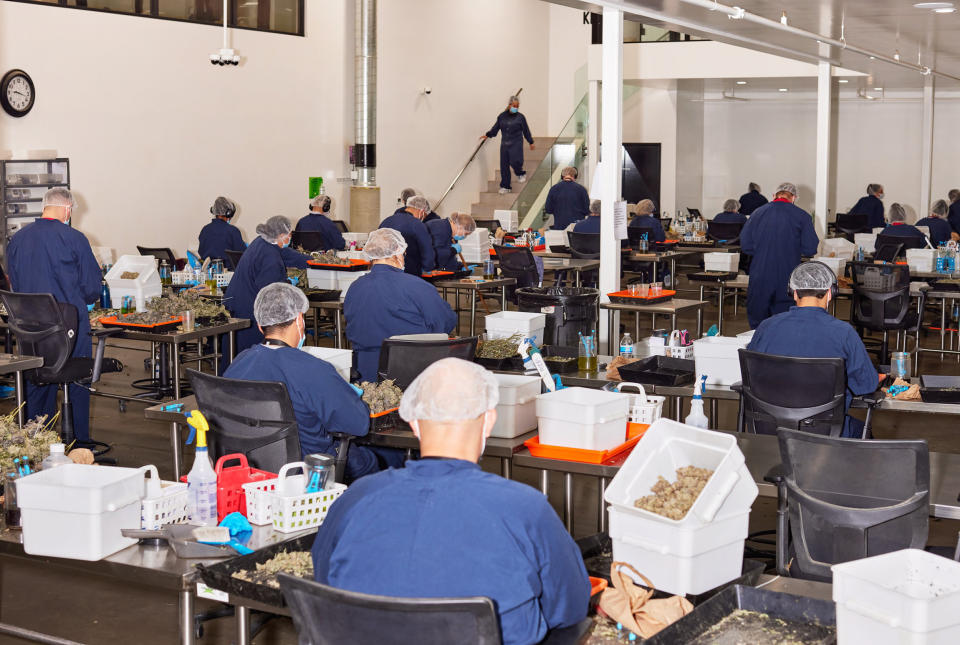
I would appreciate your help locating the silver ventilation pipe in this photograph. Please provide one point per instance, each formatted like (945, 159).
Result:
(365, 89)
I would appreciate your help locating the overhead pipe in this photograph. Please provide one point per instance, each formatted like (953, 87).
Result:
(365, 93)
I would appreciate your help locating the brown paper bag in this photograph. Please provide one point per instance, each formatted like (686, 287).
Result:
(634, 607)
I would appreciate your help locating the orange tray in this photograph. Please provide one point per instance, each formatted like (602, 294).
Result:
(384, 413)
(596, 585)
(578, 454)
(636, 429)
(627, 294)
(117, 321)
(436, 274)
(355, 265)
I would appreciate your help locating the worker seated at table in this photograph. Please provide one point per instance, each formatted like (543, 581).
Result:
(752, 199)
(446, 235)
(442, 527)
(323, 401)
(591, 223)
(220, 235)
(730, 214)
(898, 226)
(808, 330)
(936, 222)
(317, 221)
(645, 218)
(409, 222)
(871, 205)
(567, 201)
(388, 302)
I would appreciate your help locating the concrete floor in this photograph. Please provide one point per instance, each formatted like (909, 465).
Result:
(93, 609)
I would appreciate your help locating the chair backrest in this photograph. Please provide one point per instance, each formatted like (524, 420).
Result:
(341, 225)
(849, 499)
(904, 242)
(308, 240)
(233, 258)
(726, 232)
(849, 224)
(517, 262)
(636, 233)
(255, 418)
(805, 394)
(585, 246)
(44, 328)
(490, 224)
(887, 250)
(324, 615)
(881, 295)
(161, 254)
(404, 360)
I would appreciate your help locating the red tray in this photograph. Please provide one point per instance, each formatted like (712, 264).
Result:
(436, 274)
(115, 321)
(624, 298)
(355, 265)
(578, 454)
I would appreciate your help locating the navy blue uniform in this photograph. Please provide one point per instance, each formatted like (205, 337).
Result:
(388, 302)
(900, 229)
(589, 224)
(219, 236)
(568, 202)
(441, 232)
(939, 229)
(513, 130)
(777, 236)
(444, 528)
(730, 218)
(811, 332)
(649, 221)
(431, 217)
(872, 207)
(420, 257)
(49, 256)
(261, 264)
(319, 223)
(953, 216)
(751, 201)
(322, 401)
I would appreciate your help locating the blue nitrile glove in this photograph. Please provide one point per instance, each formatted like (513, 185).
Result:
(456, 247)
(240, 532)
(471, 267)
(713, 331)
(294, 281)
(89, 308)
(558, 382)
(357, 389)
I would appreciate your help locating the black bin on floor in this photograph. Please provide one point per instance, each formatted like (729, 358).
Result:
(570, 311)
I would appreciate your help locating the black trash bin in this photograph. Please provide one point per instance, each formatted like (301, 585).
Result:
(570, 311)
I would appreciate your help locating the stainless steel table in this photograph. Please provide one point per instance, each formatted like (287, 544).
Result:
(740, 281)
(336, 306)
(17, 364)
(475, 287)
(669, 308)
(576, 265)
(176, 419)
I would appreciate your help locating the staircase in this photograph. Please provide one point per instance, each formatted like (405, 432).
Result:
(491, 200)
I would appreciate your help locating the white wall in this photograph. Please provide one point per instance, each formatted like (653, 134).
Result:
(568, 47)
(650, 116)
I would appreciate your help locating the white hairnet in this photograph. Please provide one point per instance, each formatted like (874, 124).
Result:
(873, 189)
(59, 197)
(595, 206)
(754, 186)
(223, 207)
(514, 99)
(451, 389)
(279, 303)
(418, 202)
(645, 207)
(384, 243)
(273, 228)
(897, 213)
(812, 276)
(731, 206)
(940, 208)
(319, 202)
(787, 187)
(465, 222)
(406, 194)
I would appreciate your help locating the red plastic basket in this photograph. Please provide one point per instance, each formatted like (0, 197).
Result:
(230, 481)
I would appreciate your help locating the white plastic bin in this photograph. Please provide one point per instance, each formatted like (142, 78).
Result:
(721, 261)
(505, 324)
(509, 220)
(556, 238)
(145, 286)
(585, 436)
(908, 597)
(837, 265)
(359, 238)
(717, 357)
(322, 279)
(838, 247)
(77, 511)
(341, 359)
(866, 241)
(578, 417)
(747, 335)
(346, 279)
(922, 260)
(517, 409)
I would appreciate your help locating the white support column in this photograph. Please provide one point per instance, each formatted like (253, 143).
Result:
(824, 137)
(611, 170)
(926, 143)
(593, 131)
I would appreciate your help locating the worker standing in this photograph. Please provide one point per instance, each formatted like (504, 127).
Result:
(777, 235)
(871, 205)
(513, 129)
(446, 235)
(409, 223)
(317, 220)
(220, 235)
(752, 199)
(441, 527)
(567, 201)
(953, 216)
(49, 256)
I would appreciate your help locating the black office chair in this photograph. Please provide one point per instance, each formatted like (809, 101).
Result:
(518, 262)
(887, 251)
(636, 233)
(341, 225)
(490, 224)
(904, 242)
(404, 360)
(724, 233)
(308, 241)
(847, 499)
(881, 303)
(849, 224)
(161, 253)
(47, 328)
(324, 615)
(233, 258)
(585, 246)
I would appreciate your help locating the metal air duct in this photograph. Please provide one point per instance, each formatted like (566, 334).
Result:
(365, 84)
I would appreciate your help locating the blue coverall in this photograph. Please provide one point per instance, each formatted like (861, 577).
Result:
(444, 528)
(777, 236)
(872, 207)
(568, 202)
(649, 221)
(811, 332)
(589, 224)
(389, 302)
(260, 265)
(442, 235)
(219, 236)
(730, 218)
(513, 129)
(899, 229)
(939, 229)
(320, 223)
(48, 256)
(751, 201)
(322, 401)
(431, 217)
(420, 257)
(953, 216)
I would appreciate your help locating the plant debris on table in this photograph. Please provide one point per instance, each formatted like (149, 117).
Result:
(328, 257)
(744, 626)
(381, 397)
(97, 314)
(129, 275)
(500, 347)
(296, 563)
(674, 500)
(32, 440)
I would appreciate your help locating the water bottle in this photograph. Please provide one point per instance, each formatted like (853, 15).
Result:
(164, 272)
(104, 295)
(626, 346)
(57, 457)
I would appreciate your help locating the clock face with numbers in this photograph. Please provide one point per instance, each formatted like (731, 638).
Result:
(17, 93)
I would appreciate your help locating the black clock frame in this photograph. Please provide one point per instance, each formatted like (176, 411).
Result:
(9, 109)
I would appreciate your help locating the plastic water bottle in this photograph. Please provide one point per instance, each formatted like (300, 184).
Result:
(626, 346)
(57, 457)
(202, 479)
(104, 295)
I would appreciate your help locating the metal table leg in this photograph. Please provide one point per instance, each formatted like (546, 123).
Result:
(233, 344)
(943, 324)
(545, 482)
(177, 450)
(187, 609)
(601, 505)
(503, 298)
(339, 323)
(243, 625)
(677, 407)
(714, 413)
(699, 321)
(473, 311)
(175, 357)
(610, 317)
(316, 326)
(568, 501)
(720, 316)
(216, 354)
(21, 414)
(506, 467)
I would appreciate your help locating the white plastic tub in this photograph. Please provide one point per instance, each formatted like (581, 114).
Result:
(517, 409)
(582, 405)
(585, 436)
(341, 359)
(907, 597)
(556, 238)
(866, 241)
(505, 324)
(509, 220)
(837, 265)
(322, 279)
(718, 358)
(77, 511)
(145, 286)
(838, 247)
(721, 261)
(359, 238)
(747, 335)
(922, 260)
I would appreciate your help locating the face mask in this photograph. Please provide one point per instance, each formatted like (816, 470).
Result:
(879, 195)
(457, 238)
(514, 110)
(303, 336)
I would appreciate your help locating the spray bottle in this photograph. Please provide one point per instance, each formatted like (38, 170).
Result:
(202, 479)
(696, 417)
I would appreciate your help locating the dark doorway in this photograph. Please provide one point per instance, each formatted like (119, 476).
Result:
(641, 172)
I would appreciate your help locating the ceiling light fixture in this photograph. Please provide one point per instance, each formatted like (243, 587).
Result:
(783, 17)
(933, 6)
(878, 89)
(782, 89)
(843, 80)
(945, 10)
(741, 82)
(896, 55)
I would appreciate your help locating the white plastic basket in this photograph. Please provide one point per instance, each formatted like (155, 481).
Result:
(838, 247)
(223, 279)
(865, 241)
(165, 503)
(260, 501)
(285, 505)
(645, 408)
(837, 265)
(675, 350)
(922, 260)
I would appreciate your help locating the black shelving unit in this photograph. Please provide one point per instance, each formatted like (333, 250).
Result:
(23, 183)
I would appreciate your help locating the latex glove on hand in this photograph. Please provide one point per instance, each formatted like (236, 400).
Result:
(294, 281)
(357, 389)
(456, 247)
